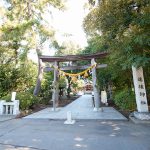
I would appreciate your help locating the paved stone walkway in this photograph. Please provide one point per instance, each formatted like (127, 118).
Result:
(80, 109)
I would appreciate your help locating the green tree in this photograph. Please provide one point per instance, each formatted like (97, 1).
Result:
(23, 28)
(123, 27)
(67, 48)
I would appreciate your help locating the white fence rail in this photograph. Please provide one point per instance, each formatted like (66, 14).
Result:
(10, 108)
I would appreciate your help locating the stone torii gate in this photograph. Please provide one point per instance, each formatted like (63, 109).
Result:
(68, 58)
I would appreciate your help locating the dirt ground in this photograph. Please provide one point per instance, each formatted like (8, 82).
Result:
(65, 101)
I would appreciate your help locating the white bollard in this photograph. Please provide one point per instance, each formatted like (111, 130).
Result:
(69, 118)
(13, 96)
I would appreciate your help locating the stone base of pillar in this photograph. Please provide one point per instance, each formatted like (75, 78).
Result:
(69, 118)
(70, 122)
(98, 109)
(142, 115)
(55, 109)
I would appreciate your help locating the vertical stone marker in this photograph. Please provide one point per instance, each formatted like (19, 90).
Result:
(13, 97)
(140, 92)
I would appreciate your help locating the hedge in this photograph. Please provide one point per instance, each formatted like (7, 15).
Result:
(125, 100)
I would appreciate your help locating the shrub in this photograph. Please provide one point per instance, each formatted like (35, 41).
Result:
(125, 100)
(27, 100)
(46, 96)
(46, 88)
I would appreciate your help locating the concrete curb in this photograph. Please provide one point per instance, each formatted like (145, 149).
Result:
(137, 121)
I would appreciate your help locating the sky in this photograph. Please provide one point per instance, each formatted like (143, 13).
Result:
(70, 21)
(66, 22)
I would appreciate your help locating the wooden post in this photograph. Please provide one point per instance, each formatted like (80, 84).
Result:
(95, 88)
(55, 86)
(39, 78)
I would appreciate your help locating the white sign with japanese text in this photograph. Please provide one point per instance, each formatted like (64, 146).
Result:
(140, 92)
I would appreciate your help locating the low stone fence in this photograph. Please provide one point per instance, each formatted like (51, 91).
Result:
(9, 108)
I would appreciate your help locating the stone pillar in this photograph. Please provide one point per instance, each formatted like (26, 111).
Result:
(16, 107)
(95, 88)
(13, 96)
(55, 96)
(140, 92)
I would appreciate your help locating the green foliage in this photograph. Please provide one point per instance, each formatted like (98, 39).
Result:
(124, 28)
(46, 87)
(67, 48)
(27, 76)
(120, 27)
(27, 100)
(62, 82)
(125, 100)
(22, 29)
(95, 44)
(17, 79)
(78, 85)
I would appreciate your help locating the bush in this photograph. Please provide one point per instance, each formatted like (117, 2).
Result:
(27, 100)
(46, 88)
(46, 96)
(125, 100)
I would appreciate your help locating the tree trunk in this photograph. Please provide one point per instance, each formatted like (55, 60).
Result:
(55, 87)
(39, 78)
